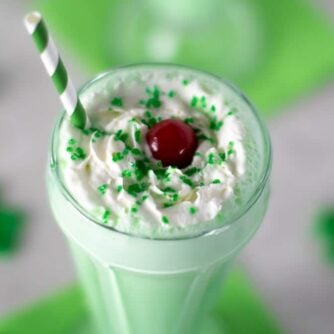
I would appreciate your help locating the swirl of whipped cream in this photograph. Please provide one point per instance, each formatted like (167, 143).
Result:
(109, 169)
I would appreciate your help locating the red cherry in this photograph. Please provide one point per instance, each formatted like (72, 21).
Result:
(173, 142)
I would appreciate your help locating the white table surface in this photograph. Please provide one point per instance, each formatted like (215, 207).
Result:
(283, 258)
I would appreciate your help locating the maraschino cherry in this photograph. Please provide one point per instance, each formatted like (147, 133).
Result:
(173, 142)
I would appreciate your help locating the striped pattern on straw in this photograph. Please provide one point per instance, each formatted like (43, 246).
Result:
(55, 68)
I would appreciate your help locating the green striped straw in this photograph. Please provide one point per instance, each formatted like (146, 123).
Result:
(55, 68)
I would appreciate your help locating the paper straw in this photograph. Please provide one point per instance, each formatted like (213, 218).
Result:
(55, 68)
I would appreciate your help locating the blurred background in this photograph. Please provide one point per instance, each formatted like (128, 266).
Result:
(281, 53)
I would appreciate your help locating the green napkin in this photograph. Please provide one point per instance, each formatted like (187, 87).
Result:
(239, 311)
(296, 53)
(58, 313)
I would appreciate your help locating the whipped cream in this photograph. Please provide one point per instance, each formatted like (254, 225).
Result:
(109, 170)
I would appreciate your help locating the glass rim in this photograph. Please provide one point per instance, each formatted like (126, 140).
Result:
(258, 188)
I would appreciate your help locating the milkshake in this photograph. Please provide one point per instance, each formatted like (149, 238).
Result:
(158, 194)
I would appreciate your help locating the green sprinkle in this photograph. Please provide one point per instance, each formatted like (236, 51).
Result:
(143, 165)
(136, 188)
(124, 137)
(165, 220)
(136, 151)
(230, 113)
(119, 189)
(216, 181)
(144, 121)
(191, 171)
(171, 195)
(222, 156)
(99, 133)
(142, 200)
(213, 108)
(171, 93)
(77, 154)
(215, 124)
(161, 173)
(192, 210)
(154, 100)
(137, 136)
(175, 197)
(194, 101)
(186, 180)
(72, 141)
(168, 205)
(185, 82)
(168, 190)
(203, 102)
(202, 137)
(188, 120)
(211, 159)
(140, 169)
(140, 174)
(120, 136)
(230, 145)
(153, 103)
(148, 114)
(126, 151)
(126, 173)
(117, 101)
(134, 209)
(106, 216)
(102, 189)
(152, 121)
(117, 156)
(69, 149)
(79, 150)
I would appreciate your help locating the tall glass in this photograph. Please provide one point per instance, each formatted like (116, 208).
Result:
(137, 285)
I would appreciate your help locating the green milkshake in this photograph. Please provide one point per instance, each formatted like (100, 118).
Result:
(158, 194)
